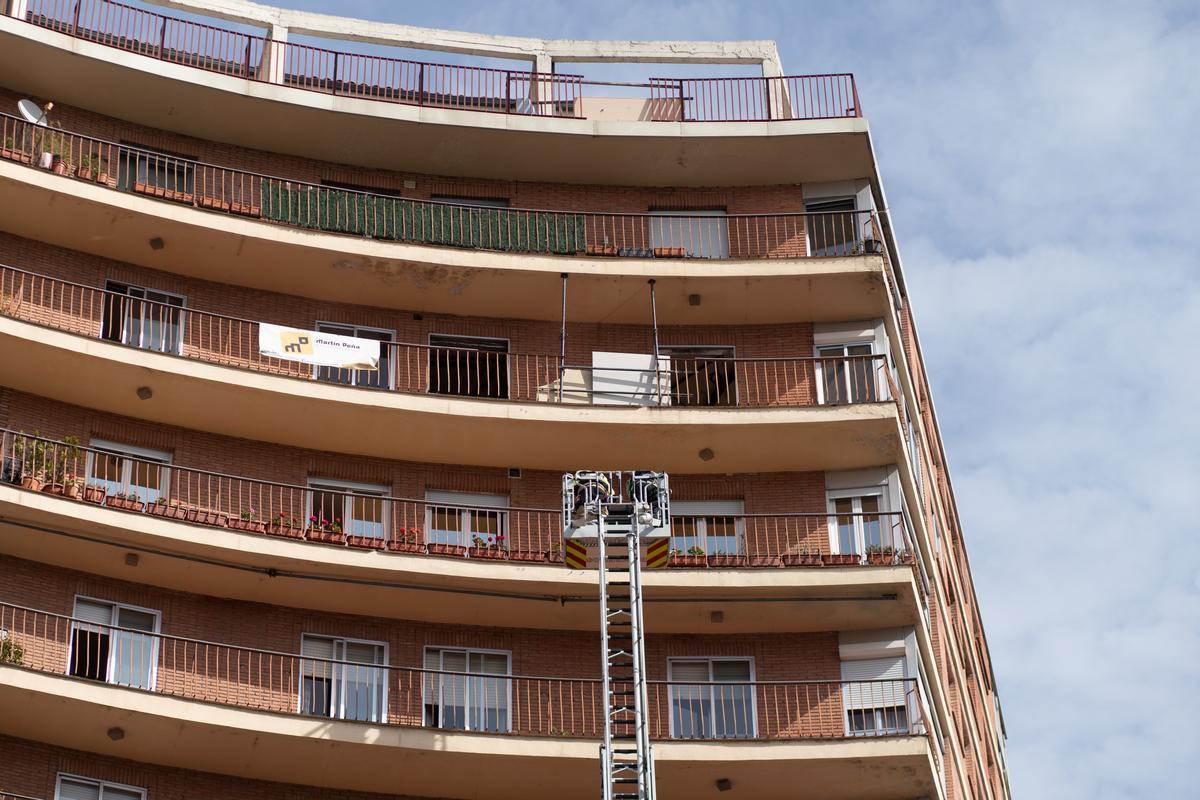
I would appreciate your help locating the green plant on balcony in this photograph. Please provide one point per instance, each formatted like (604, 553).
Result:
(880, 554)
(11, 651)
(695, 550)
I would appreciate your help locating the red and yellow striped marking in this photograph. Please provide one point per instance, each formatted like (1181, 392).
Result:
(657, 552)
(575, 555)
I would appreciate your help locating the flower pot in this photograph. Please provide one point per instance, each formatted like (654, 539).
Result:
(202, 516)
(763, 561)
(285, 530)
(906, 557)
(102, 177)
(601, 249)
(841, 559)
(46, 160)
(19, 156)
(326, 537)
(31, 482)
(168, 510)
(406, 547)
(527, 555)
(669, 252)
(494, 553)
(93, 494)
(436, 549)
(83, 172)
(60, 167)
(54, 488)
(802, 560)
(554, 556)
(880, 559)
(366, 542)
(124, 503)
(726, 560)
(688, 561)
(248, 525)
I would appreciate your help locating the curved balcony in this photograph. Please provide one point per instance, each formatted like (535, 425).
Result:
(236, 79)
(445, 405)
(238, 226)
(455, 723)
(213, 533)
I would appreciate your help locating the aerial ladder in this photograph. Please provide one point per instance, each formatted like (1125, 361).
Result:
(619, 516)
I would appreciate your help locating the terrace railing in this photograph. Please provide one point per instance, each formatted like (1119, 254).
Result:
(377, 520)
(396, 80)
(699, 382)
(389, 217)
(289, 683)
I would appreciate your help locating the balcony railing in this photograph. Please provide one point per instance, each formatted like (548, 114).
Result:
(395, 80)
(378, 693)
(390, 217)
(695, 382)
(379, 521)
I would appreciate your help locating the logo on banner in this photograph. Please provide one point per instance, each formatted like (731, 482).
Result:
(316, 347)
(298, 343)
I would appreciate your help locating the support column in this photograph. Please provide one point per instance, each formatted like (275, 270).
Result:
(543, 64)
(779, 103)
(274, 54)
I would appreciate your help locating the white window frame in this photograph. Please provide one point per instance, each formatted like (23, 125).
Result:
(708, 247)
(318, 484)
(468, 652)
(99, 784)
(337, 700)
(702, 522)
(753, 711)
(384, 352)
(885, 516)
(466, 502)
(110, 665)
(183, 306)
(129, 451)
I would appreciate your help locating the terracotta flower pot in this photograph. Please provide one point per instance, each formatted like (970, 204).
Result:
(726, 560)
(841, 559)
(124, 503)
(802, 560)
(247, 525)
(437, 549)
(285, 530)
(366, 542)
(764, 561)
(31, 482)
(494, 553)
(93, 494)
(527, 555)
(168, 510)
(202, 516)
(881, 559)
(688, 561)
(406, 547)
(326, 537)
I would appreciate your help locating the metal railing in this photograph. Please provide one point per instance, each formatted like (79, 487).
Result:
(380, 693)
(391, 217)
(328, 514)
(397, 80)
(699, 382)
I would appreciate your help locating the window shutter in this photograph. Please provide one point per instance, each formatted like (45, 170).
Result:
(316, 647)
(690, 671)
(470, 499)
(708, 508)
(93, 612)
(111, 793)
(731, 671)
(888, 694)
(70, 789)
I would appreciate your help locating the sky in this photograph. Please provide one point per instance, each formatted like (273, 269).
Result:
(1037, 158)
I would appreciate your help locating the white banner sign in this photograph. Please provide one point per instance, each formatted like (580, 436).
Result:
(314, 347)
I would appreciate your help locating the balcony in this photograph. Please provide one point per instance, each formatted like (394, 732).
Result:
(83, 508)
(95, 348)
(236, 226)
(68, 680)
(241, 81)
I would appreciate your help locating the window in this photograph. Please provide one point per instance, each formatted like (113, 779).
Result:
(703, 709)
(711, 528)
(701, 233)
(145, 318)
(456, 518)
(357, 508)
(468, 366)
(846, 374)
(481, 202)
(114, 643)
(125, 469)
(375, 379)
(832, 227)
(701, 376)
(856, 523)
(71, 787)
(155, 172)
(343, 678)
(875, 696)
(467, 689)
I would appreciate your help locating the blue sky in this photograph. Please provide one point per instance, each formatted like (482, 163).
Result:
(1039, 159)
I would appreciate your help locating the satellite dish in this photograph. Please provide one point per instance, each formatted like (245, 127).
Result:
(32, 112)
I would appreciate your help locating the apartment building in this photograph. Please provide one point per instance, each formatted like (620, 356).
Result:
(299, 334)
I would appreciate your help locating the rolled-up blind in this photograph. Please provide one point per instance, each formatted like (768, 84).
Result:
(71, 789)
(874, 683)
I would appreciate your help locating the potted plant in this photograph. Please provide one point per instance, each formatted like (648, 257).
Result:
(802, 559)
(128, 501)
(326, 531)
(14, 153)
(245, 521)
(694, 557)
(171, 509)
(366, 542)
(205, 516)
(408, 540)
(11, 652)
(288, 527)
(554, 553)
(537, 556)
(88, 164)
(841, 559)
(442, 549)
(93, 494)
(669, 252)
(880, 556)
(56, 464)
(29, 453)
(491, 547)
